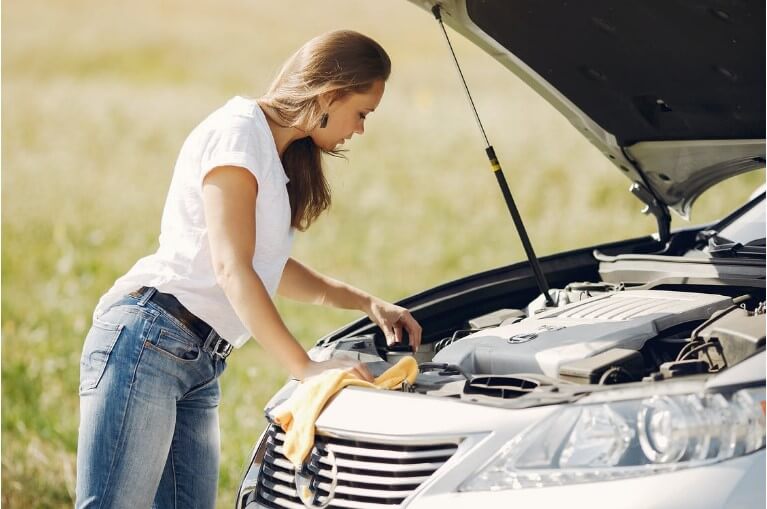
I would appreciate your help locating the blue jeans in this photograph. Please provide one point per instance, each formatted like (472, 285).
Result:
(149, 400)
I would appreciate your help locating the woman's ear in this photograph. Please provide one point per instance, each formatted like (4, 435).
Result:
(324, 101)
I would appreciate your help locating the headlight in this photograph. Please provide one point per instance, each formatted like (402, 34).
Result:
(619, 439)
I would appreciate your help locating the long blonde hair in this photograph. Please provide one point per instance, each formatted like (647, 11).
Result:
(338, 63)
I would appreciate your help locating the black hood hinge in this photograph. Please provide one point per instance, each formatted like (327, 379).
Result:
(655, 207)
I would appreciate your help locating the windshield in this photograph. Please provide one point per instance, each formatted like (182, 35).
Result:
(740, 235)
(748, 227)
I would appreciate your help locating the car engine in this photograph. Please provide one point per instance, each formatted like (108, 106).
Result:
(598, 334)
(555, 339)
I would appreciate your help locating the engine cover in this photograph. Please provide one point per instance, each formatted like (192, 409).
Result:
(540, 344)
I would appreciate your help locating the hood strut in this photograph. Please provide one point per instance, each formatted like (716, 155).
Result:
(534, 263)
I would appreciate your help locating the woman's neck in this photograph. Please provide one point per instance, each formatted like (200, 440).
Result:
(283, 136)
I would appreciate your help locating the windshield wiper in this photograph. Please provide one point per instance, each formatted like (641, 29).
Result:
(721, 247)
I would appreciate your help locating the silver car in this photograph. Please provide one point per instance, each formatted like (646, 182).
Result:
(629, 374)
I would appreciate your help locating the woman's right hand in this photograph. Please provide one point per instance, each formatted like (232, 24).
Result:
(355, 367)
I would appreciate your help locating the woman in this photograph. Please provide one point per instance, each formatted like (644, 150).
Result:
(151, 361)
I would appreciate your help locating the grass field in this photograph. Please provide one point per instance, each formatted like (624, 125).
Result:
(97, 98)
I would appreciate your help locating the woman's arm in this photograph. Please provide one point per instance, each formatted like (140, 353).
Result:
(305, 284)
(229, 198)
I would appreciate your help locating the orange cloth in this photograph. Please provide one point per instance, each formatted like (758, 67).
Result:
(297, 415)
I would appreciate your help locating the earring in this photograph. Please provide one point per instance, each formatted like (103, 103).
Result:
(324, 120)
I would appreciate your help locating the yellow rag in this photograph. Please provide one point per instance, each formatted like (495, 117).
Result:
(297, 415)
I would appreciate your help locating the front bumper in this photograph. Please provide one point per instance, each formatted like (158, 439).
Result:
(392, 417)
(734, 484)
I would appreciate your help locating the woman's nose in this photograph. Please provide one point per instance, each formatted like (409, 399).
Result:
(360, 127)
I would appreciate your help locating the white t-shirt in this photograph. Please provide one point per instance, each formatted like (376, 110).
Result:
(236, 134)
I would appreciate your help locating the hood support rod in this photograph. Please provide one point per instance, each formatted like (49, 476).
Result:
(534, 263)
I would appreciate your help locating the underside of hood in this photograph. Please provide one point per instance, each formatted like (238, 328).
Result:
(672, 91)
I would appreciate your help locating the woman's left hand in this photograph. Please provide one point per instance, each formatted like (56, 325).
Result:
(392, 319)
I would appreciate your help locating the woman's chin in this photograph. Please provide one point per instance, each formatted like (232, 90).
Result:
(328, 146)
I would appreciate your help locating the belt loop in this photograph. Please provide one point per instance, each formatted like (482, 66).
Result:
(210, 341)
(146, 295)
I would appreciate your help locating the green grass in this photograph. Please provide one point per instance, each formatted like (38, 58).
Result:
(97, 98)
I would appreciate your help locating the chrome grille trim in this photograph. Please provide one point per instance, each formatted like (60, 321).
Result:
(325, 486)
(377, 466)
(279, 501)
(356, 478)
(379, 453)
(371, 474)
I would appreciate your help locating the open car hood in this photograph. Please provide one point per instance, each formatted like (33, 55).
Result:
(672, 91)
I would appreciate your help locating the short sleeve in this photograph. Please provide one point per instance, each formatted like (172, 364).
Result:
(232, 144)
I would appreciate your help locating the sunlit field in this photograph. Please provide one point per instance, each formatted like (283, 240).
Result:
(97, 98)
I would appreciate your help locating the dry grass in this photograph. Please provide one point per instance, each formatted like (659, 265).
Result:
(97, 98)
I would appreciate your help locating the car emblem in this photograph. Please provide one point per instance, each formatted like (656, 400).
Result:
(529, 336)
(307, 481)
(523, 338)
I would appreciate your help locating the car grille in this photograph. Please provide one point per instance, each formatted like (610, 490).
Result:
(370, 475)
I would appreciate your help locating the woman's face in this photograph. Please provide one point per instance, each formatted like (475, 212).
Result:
(346, 116)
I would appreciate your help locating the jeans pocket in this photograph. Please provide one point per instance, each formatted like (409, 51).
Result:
(98, 346)
(175, 345)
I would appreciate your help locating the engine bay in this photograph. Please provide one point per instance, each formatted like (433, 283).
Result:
(641, 316)
(597, 334)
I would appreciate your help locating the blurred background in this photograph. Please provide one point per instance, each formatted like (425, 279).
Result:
(97, 98)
